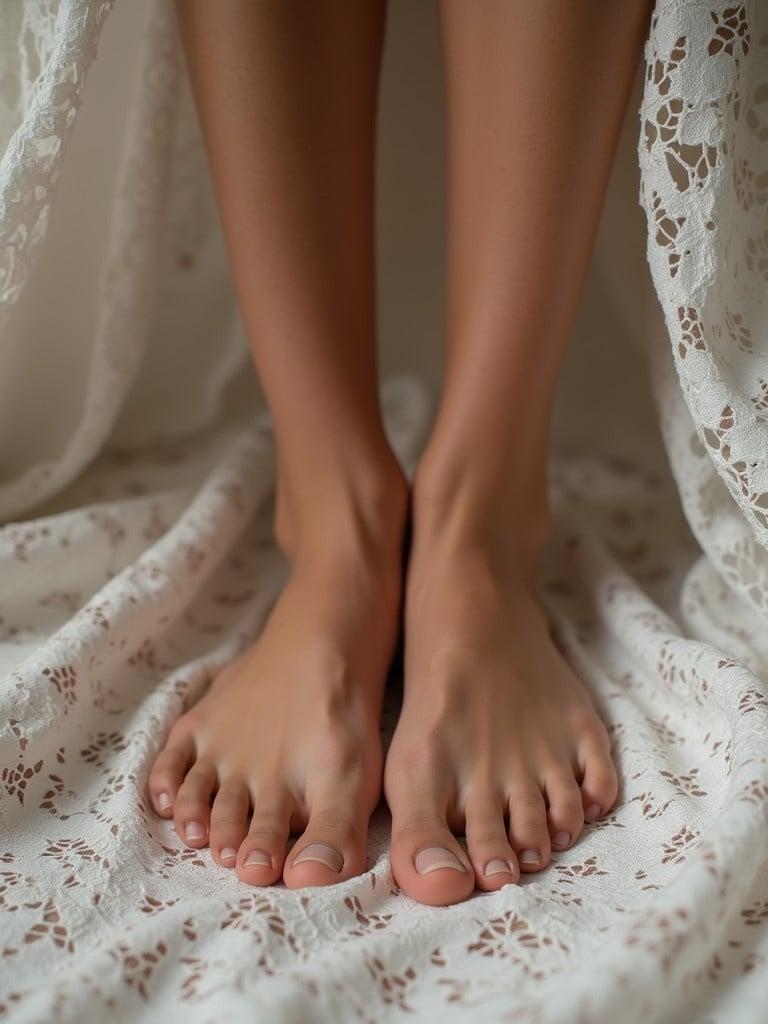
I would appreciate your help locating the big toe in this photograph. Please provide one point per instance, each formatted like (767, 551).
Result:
(427, 861)
(332, 848)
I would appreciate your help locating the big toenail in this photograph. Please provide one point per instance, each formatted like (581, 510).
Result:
(194, 830)
(593, 812)
(561, 839)
(164, 801)
(498, 867)
(530, 857)
(258, 857)
(434, 858)
(228, 853)
(323, 854)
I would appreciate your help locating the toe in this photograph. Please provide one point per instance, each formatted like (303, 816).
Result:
(339, 801)
(168, 773)
(332, 848)
(261, 855)
(229, 822)
(528, 832)
(566, 813)
(599, 786)
(427, 861)
(492, 857)
(192, 807)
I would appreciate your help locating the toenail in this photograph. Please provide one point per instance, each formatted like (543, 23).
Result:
(164, 801)
(257, 857)
(228, 853)
(323, 854)
(530, 857)
(498, 867)
(434, 858)
(194, 830)
(593, 812)
(561, 839)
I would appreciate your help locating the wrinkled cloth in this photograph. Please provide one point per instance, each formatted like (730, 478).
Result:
(136, 559)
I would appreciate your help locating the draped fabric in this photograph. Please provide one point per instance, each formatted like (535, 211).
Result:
(136, 480)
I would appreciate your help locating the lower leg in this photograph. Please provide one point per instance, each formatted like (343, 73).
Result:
(287, 99)
(287, 737)
(536, 95)
(515, 753)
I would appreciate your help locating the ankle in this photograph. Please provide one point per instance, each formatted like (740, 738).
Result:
(361, 509)
(502, 520)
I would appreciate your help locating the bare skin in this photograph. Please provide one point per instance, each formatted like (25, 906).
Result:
(497, 738)
(287, 739)
(291, 730)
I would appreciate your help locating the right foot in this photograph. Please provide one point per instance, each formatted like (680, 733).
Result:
(287, 738)
(498, 739)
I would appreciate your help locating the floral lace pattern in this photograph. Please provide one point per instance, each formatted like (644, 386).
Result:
(153, 566)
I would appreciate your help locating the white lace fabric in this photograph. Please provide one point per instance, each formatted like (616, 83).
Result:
(135, 485)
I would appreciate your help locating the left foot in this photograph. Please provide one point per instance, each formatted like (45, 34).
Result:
(286, 741)
(497, 739)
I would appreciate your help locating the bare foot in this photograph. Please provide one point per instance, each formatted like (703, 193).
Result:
(498, 739)
(287, 738)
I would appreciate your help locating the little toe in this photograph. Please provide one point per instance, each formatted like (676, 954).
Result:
(332, 848)
(492, 857)
(599, 785)
(427, 860)
(261, 855)
(192, 807)
(566, 813)
(229, 822)
(168, 773)
(528, 832)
